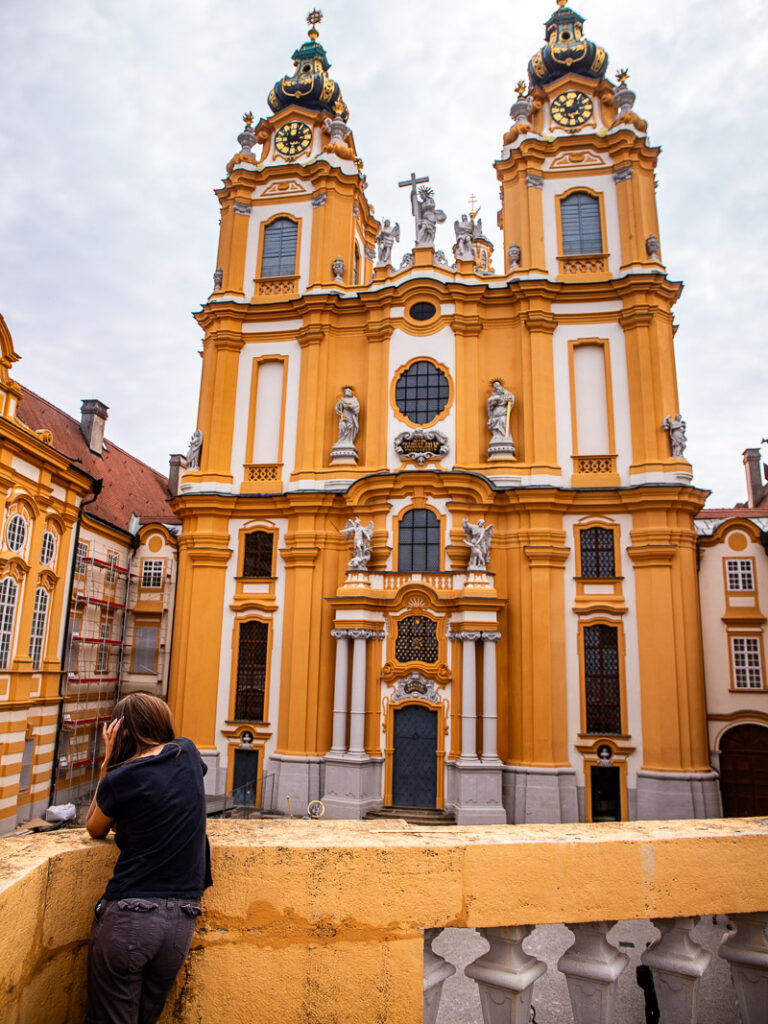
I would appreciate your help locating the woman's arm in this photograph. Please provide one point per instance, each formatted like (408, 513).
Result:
(97, 823)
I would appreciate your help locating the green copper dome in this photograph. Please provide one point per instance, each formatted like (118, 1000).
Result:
(309, 86)
(567, 50)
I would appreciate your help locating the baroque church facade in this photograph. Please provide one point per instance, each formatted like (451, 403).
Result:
(438, 544)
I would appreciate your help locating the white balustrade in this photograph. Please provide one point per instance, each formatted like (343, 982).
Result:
(436, 970)
(678, 963)
(592, 967)
(505, 975)
(746, 950)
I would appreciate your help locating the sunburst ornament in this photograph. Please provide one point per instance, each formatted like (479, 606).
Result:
(426, 192)
(521, 88)
(248, 118)
(622, 75)
(313, 20)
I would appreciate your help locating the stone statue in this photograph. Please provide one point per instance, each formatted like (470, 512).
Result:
(218, 277)
(514, 253)
(385, 239)
(338, 267)
(477, 537)
(361, 543)
(426, 214)
(195, 447)
(348, 410)
(652, 247)
(675, 427)
(465, 231)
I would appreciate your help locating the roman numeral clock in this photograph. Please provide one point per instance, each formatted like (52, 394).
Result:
(571, 109)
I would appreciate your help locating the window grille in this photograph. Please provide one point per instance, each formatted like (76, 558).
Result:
(37, 633)
(257, 557)
(102, 655)
(279, 254)
(417, 640)
(740, 575)
(251, 671)
(580, 222)
(8, 593)
(152, 573)
(145, 650)
(597, 553)
(418, 547)
(80, 557)
(601, 677)
(47, 548)
(111, 571)
(747, 663)
(16, 532)
(422, 392)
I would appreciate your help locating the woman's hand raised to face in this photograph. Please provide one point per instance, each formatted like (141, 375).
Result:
(110, 735)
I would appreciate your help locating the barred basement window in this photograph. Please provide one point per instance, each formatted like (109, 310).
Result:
(8, 594)
(580, 223)
(37, 633)
(739, 573)
(422, 392)
(152, 573)
(278, 257)
(16, 533)
(416, 640)
(418, 542)
(601, 678)
(747, 663)
(251, 672)
(597, 553)
(257, 558)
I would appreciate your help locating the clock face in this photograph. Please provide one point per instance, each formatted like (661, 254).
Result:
(570, 109)
(293, 138)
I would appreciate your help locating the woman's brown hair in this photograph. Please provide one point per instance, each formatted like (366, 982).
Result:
(146, 722)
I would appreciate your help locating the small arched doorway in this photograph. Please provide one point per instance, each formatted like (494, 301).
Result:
(414, 764)
(744, 771)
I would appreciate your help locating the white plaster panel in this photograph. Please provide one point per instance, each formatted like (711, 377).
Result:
(567, 308)
(591, 400)
(272, 326)
(24, 468)
(269, 402)
(441, 348)
(303, 212)
(596, 183)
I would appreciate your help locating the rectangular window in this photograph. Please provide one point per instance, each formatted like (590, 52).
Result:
(257, 558)
(601, 679)
(740, 574)
(580, 224)
(111, 571)
(279, 254)
(102, 656)
(251, 671)
(747, 663)
(37, 633)
(145, 649)
(8, 594)
(26, 765)
(80, 556)
(152, 573)
(597, 553)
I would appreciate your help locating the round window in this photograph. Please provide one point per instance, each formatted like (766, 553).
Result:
(47, 548)
(422, 311)
(421, 392)
(17, 533)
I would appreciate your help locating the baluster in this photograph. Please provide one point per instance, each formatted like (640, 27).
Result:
(436, 970)
(505, 975)
(677, 962)
(592, 967)
(746, 950)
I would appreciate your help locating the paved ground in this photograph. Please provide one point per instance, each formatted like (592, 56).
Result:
(461, 1004)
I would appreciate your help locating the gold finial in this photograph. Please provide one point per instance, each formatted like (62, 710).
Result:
(623, 75)
(562, 3)
(521, 88)
(472, 211)
(248, 118)
(313, 20)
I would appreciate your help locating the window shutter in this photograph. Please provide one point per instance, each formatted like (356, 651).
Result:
(279, 255)
(580, 222)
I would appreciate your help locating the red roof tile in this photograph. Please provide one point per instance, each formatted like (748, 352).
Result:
(130, 485)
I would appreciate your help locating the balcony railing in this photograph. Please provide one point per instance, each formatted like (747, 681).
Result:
(317, 922)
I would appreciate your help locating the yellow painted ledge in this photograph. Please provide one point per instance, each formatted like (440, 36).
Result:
(321, 921)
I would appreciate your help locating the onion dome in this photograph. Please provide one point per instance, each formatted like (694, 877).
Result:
(567, 50)
(309, 86)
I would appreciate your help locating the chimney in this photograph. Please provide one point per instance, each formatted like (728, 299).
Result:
(177, 467)
(756, 490)
(93, 417)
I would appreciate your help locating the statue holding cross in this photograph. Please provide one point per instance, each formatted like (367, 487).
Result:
(425, 213)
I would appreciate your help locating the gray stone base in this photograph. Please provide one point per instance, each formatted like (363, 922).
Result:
(669, 795)
(353, 786)
(299, 778)
(474, 789)
(540, 795)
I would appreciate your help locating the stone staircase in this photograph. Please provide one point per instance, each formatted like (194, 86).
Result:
(413, 815)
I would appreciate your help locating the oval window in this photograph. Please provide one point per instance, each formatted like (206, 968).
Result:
(422, 392)
(47, 548)
(17, 533)
(422, 311)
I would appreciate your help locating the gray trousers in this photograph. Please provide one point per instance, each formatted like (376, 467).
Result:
(137, 948)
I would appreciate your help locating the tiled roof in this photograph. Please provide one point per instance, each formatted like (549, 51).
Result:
(130, 485)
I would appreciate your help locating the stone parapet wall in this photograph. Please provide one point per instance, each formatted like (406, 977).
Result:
(322, 921)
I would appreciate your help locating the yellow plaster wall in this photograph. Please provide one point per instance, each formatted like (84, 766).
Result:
(320, 922)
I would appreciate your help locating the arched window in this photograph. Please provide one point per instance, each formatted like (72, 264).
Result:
(418, 548)
(601, 677)
(251, 671)
(278, 258)
(37, 633)
(580, 222)
(8, 594)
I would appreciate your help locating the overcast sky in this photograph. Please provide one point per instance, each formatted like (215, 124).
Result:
(117, 118)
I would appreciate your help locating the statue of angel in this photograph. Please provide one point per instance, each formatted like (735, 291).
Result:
(385, 239)
(195, 447)
(361, 543)
(477, 537)
(465, 232)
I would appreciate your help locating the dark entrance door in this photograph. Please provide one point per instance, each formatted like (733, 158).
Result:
(414, 769)
(244, 783)
(744, 771)
(606, 793)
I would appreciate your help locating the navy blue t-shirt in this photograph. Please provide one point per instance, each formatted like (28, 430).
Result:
(158, 806)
